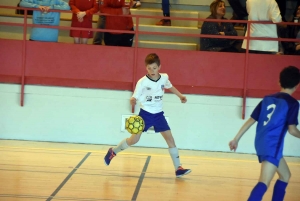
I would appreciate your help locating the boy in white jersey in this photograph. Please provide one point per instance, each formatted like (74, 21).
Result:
(149, 91)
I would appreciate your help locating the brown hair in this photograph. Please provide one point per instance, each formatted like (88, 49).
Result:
(152, 58)
(213, 7)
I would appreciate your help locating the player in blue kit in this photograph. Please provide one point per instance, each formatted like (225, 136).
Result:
(149, 92)
(275, 115)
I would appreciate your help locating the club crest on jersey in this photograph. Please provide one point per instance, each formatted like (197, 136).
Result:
(162, 87)
(148, 98)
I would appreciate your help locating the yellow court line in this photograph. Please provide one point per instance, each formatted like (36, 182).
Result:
(131, 153)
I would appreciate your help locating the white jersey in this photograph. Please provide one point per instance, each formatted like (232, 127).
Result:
(150, 92)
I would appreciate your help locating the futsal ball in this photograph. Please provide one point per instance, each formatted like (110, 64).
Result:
(135, 124)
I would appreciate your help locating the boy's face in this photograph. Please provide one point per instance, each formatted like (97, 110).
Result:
(153, 71)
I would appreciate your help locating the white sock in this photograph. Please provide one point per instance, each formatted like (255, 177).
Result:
(175, 157)
(121, 146)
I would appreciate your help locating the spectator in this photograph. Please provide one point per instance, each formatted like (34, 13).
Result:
(291, 31)
(217, 9)
(263, 11)
(166, 13)
(121, 8)
(44, 17)
(82, 17)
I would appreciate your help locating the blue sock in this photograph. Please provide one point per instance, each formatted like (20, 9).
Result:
(258, 192)
(279, 190)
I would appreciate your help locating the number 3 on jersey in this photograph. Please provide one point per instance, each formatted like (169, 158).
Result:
(270, 114)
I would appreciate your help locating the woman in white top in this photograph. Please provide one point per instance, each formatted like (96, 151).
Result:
(266, 10)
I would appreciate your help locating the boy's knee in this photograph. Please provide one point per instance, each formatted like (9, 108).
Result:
(285, 177)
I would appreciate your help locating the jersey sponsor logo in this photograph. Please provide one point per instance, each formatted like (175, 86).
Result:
(148, 88)
(148, 98)
(158, 98)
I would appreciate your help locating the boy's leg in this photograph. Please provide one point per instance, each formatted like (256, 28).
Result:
(179, 171)
(266, 174)
(282, 182)
(124, 144)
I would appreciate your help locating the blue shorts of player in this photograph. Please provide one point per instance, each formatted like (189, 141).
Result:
(158, 121)
(270, 159)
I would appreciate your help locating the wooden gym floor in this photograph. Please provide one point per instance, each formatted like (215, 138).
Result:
(33, 171)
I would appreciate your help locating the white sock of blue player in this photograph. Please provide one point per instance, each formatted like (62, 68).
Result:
(175, 157)
(279, 190)
(258, 192)
(121, 146)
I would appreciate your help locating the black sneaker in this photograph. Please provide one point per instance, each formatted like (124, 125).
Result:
(181, 171)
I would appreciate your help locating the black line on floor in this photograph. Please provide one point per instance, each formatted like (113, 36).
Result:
(139, 184)
(68, 177)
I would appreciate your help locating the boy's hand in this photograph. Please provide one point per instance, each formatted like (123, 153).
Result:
(132, 101)
(183, 99)
(233, 145)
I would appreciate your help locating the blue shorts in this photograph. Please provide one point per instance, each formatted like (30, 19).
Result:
(270, 159)
(158, 121)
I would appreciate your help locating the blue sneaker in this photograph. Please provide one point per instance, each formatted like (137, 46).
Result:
(109, 156)
(181, 171)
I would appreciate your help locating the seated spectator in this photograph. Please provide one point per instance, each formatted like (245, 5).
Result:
(82, 17)
(118, 7)
(44, 17)
(266, 10)
(291, 31)
(217, 9)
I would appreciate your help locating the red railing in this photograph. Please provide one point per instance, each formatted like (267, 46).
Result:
(210, 78)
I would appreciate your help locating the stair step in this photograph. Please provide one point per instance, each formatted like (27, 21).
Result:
(168, 45)
(169, 29)
(158, 12)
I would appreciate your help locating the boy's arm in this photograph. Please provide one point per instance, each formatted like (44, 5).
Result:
(293, 130)
(137, 93)
(233, 144)
(175, 91)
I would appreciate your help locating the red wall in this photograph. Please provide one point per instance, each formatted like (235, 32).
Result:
(192, 72)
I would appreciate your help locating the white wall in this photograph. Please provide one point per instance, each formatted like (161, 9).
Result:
(94, 116)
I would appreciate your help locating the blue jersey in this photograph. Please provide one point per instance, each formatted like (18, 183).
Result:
(273, 115)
